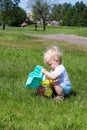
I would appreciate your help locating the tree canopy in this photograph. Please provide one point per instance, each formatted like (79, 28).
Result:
(41, 12)
(66, 14)
(17, 16)
(6, 7)
(70, 15)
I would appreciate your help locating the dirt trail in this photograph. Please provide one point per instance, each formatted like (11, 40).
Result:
(73, 39)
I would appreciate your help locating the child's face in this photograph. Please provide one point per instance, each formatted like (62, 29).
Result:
(53, 64)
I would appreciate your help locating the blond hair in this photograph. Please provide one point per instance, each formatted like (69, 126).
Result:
(53, 53)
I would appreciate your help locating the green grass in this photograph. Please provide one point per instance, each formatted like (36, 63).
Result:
(81, 31)
(20, 109)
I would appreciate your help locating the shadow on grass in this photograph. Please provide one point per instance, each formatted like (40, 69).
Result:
(35, 94)
(73, 93)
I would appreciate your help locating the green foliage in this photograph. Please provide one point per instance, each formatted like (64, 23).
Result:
(56, 13)
(20, 108)
(41, 12)
(0, 16)
(8, 4)
(6, 7)
(70, 15)
(17, 16)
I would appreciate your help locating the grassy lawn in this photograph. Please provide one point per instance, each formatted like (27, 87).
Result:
(20, 109)
(81, 31)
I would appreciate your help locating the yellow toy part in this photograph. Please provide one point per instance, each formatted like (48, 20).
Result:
(48, 92)
(45, 83)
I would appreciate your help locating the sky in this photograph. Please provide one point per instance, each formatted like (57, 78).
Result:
(23, 3)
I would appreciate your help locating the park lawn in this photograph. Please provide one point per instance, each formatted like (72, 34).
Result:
(20, 108)
(80, 31)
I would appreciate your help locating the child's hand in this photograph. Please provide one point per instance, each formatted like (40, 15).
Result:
(43, 70)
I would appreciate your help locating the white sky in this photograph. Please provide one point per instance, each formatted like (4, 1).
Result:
(23, 3)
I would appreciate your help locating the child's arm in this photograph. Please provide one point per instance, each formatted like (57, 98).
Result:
(49, 75)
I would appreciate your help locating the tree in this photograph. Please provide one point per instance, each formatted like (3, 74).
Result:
(0, 17)
(17, 16)
(31, 3)
(6, 7)
(67, 14)
(80, 11)
(84, 17)
(74, 15)
(56, 13)
(41, 9)
(41, 12)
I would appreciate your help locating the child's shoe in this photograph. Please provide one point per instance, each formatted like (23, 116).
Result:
(58, 98)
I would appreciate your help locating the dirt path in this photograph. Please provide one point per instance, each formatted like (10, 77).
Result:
(72, 39)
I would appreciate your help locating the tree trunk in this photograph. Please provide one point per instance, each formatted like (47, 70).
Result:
(3, 25)
(44, 25)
